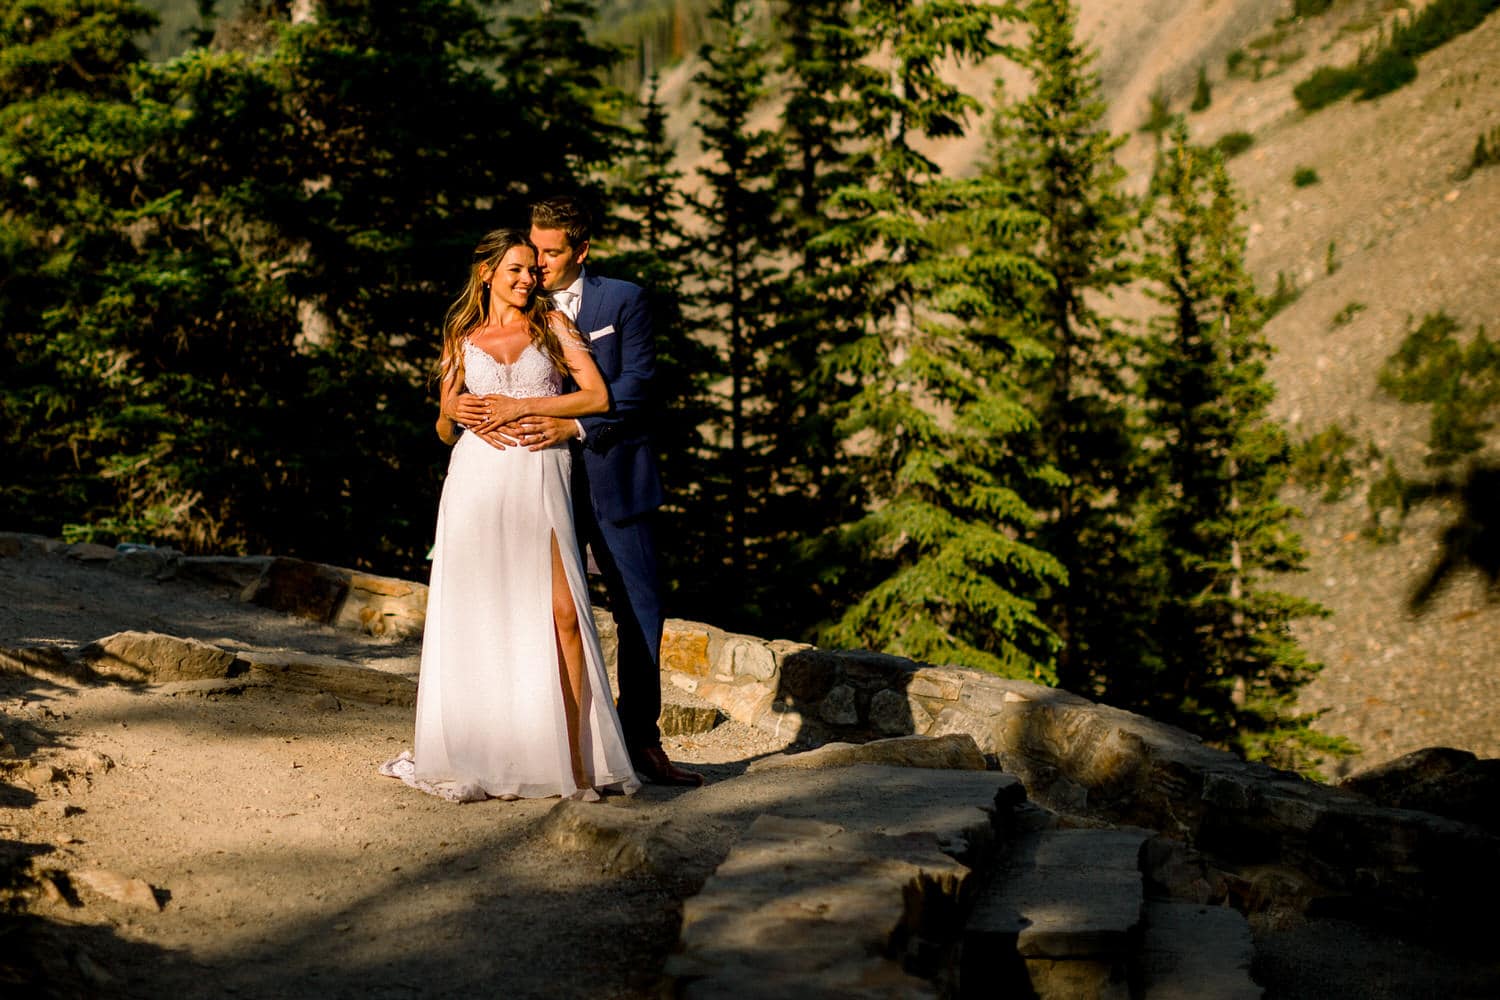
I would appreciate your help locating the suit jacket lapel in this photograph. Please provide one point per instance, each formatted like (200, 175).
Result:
(591, 303)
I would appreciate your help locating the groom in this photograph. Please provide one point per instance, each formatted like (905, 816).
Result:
(616, 488)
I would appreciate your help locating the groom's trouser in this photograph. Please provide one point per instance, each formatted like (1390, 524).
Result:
(625, 552)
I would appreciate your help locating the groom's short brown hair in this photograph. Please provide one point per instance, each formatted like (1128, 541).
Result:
(566, 213)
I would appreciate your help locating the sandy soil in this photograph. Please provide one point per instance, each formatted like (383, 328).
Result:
(286, 865)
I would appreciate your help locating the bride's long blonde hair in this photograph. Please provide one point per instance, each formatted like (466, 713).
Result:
(472, 308)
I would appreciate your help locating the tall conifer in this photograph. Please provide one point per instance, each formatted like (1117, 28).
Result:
(258, 243)
(936, 567)
(737, 210)
(566, 112)
(68, 134)
(1230, 666)
(820, 63)
(1052, 152)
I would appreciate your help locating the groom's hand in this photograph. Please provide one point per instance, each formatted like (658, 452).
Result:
(496, 439)
(536, 433)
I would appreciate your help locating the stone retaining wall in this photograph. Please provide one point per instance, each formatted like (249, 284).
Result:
(1334, 849)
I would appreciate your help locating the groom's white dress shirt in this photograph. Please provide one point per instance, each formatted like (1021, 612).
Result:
(567, 301)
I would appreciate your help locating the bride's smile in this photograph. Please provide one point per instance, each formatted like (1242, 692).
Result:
(512, 282)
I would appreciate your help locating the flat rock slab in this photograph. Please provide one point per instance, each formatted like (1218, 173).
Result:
(1195, 952)
(959, 808)
(955, 751)
(683, 841)
(628, 840)
(801, 907)
(120, 888)
(1064, 894)
(43, 662)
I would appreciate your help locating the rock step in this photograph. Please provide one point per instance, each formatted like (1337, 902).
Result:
(1196, 952)
(803, 908)
(839, 882)
(1060, 918)
(686, 714)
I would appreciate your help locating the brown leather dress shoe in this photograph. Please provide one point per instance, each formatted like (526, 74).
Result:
(652, 765)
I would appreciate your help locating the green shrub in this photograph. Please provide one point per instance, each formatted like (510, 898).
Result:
(1323, 461)
(1232, 144)
(1310, 8)
(1269, 40)
(1392, 63)
(1203, 94)
(1438, 22)
(1331, 258)
(1305, 177)
(1286, 57)
(1346, 315)
(1460, 382)
(1389, 70)
(1159, 116)
(1486, 153)
(1285, 294)
(1389, 498)
(1326, 85)
(1234, 62)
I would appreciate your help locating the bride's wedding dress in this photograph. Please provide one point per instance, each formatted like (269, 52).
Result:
(490, 716)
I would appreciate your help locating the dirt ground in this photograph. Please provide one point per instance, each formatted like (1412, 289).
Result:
(285, 865)
(281, 865)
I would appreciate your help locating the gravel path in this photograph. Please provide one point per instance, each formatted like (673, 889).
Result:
(288, 867)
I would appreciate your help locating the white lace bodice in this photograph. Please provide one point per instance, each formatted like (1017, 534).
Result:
(530, 375)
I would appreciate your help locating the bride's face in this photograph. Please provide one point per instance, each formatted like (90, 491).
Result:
(514, 278)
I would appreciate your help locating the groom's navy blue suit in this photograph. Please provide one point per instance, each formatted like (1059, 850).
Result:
(616, 489)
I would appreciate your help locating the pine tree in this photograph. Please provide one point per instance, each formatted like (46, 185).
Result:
(186, 221)
(67, 128)
(936, 567)
(1230, 667)
(1052, 153)
(568, 132)
(815, 309)
(737, 211)
(657, 200)
(820, 54)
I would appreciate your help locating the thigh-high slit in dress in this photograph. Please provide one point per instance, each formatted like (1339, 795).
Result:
(490, 716)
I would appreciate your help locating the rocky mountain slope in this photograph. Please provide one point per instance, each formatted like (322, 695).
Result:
(1388, 232)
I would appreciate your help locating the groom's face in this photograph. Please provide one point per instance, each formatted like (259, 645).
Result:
(559, 260)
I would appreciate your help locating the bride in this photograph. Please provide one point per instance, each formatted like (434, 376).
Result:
(513, 699)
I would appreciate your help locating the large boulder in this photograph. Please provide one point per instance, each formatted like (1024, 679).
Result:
(155, 658)
(343, 598)
(1439, 780)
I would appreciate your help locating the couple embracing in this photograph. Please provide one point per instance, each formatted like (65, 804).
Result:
(545, 378)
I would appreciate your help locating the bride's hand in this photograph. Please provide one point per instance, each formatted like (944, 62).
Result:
(498, 411)
(467, 410)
